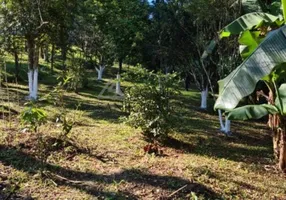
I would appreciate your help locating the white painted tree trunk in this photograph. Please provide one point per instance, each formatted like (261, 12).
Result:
(30, 79)
(33, 84)
(118, 89)
(204, 97)
(227, 127)
(224, 127)
(100, 72)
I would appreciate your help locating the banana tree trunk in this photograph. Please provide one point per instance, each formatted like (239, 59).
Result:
(282, 155)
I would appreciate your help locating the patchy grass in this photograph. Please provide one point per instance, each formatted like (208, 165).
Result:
(105, 159)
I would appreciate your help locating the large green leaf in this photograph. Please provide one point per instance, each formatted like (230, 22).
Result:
(280, 101)
(251, 112)
(241, 24)
(247, 22)
(251, 39)
(242, 81)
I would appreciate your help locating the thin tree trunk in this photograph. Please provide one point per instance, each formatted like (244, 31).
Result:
(282, 156)
(222, 127)
(16, 58)
(204, 97)
(52, 58)
(64, 57)
(120, 65)
(118, 88)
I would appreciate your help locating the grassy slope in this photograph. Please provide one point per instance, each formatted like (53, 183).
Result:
(112, 164)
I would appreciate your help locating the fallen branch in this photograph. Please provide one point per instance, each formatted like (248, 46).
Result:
(178, 190)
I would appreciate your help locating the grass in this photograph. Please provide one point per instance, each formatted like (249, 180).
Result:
(107, 161)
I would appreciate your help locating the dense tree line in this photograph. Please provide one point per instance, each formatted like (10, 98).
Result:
(167, 36)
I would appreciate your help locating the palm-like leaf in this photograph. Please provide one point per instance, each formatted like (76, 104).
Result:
(241, 24)
(248, 22)
(242, 81)
(251, 112)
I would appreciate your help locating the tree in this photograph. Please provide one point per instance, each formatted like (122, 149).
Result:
(123, 21)
(27, 19)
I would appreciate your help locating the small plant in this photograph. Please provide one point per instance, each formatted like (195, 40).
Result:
(149, 104)
(56, 96)
(33, 117)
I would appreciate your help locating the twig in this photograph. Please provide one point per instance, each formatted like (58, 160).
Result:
(178, 190)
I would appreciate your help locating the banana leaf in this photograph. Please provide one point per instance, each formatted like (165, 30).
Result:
(251, 40)
(242, 81)
(252, 6)
(280, 101)
(241, 24)
(248, 22)
(251, 112)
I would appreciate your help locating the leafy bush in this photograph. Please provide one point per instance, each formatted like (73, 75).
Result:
(77, 75)
(149, 104)
(140, 75)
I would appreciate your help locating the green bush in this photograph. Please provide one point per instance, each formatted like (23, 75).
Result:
(77, 75)
(150, 105)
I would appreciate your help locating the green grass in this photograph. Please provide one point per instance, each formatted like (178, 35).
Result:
(107, 160)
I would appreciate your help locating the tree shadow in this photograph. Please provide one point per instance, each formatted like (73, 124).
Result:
(94, 184)
(239, 148)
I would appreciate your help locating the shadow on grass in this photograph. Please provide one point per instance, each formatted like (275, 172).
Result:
(94, 184)
(100, 111)
(230, 148)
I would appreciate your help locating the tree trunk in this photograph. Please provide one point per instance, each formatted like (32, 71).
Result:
(100, 72)
(16, 58)
(118, 89)
(64, 57)
(46, 53)
(33, 57)
(120, 65)
(227, 127)
(31, 52)
(204, 97)
(282, 156)
(52, 58)
(222, 127)
(276, 141)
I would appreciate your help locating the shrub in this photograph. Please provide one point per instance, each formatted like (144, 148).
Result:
(150, 106)
(76, 74)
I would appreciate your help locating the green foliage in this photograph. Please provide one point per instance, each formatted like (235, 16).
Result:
(251, 112)
(149, 104)
(242, 81)
(140, 75)
(248, 22)
(33, 117)
(56, 96)
(76, 75)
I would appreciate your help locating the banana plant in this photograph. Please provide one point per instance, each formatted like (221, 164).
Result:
(278, 109)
